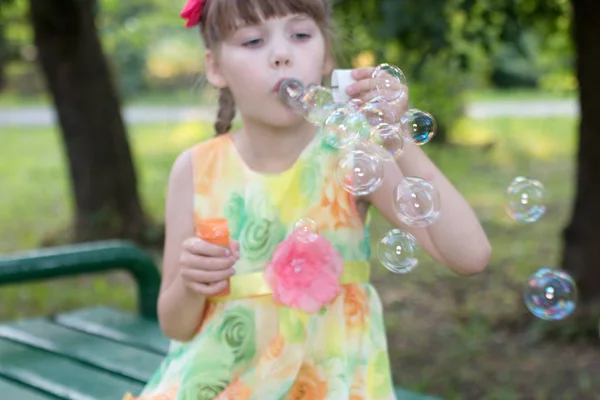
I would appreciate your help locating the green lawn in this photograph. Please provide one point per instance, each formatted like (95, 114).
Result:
(195, 96)
(444, 336)
(493, 94)
(192, 96)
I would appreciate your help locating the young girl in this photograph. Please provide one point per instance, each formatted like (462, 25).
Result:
(307, 330)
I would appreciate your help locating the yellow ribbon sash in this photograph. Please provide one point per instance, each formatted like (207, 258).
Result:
(254, 284)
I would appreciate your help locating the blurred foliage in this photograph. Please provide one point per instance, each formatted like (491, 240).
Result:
(134, 33)
(444, 46)
(448, 46)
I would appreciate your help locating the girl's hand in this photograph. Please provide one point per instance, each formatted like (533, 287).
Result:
(205, 267)
(363, 89)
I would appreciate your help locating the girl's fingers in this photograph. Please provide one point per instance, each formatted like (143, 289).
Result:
(202, 248)
(206, 263)
(362, 73)
(234, 246)
(207, 289)
(358, 88)
(199, 276)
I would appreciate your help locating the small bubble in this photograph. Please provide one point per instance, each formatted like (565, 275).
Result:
(525, 200)
(550, 294)
(396, 251)
(306, 230)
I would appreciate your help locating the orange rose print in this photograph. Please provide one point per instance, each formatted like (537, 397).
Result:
(355, 306)
(308, 385)
(358, 387)
(275, 348)
(337, 208)
(205, 173)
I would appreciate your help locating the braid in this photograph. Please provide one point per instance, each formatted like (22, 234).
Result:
(226, 111)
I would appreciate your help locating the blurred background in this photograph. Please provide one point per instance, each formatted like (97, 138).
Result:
(97, 98)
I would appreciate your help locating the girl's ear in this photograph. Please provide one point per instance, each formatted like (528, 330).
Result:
(213, 72)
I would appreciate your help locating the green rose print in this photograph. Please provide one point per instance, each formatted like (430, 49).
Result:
(237, 331)
(206, 380)
(198, 389)
(259, 239)
(235, 213)
(310, 179)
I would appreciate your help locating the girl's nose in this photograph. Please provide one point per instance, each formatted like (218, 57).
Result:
(281, 54)
(283, 61)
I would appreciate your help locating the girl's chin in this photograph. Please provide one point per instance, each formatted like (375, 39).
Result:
(280, 118)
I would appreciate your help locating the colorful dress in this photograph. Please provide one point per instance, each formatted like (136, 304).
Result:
(250, 346)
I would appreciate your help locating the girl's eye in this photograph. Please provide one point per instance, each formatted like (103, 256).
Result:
(252, 43)
(301, 36)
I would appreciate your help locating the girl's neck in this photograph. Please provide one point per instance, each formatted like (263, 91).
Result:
(272, 149)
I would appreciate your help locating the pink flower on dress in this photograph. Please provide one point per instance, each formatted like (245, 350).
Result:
(305, 275)
(193, 12)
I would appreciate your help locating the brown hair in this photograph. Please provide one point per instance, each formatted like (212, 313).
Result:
(219, 21)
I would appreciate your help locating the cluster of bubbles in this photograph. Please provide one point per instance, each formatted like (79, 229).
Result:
(549, 294)
(371, 131)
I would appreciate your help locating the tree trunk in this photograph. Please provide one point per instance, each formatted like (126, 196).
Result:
(581, 253)
(100, 162)
(3, 53)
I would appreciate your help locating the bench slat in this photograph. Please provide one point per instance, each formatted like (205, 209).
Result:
(62, 377)
(11, 390)
(117, 325)
(97, 351)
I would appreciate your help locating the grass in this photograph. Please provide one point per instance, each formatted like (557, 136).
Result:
(195, 96)
(191, 96)
(518, 94)
(443, 330)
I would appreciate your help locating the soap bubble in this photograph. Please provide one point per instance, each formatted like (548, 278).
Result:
(550, 295)
(291, 92)
(416, 202)
(525, 199)
(389, 83)
(389, 138)
(419, 127)
(336, 132)
(396, 251)
(359, 172)
(306, 230)
(357, 122)
(373, 113)
(318, 104)
(354, 105)
(379, 111)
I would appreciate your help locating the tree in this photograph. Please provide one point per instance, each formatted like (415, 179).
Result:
(100, 162)
(581, 252)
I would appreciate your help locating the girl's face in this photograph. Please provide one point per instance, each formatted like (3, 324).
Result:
(255, 58)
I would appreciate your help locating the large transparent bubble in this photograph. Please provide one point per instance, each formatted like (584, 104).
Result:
(359, 172)
(389, 138)
(338, 132)
(389, 83)
(318, 104)
(417, 202)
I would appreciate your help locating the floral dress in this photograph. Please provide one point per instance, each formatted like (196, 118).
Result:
(311, 330)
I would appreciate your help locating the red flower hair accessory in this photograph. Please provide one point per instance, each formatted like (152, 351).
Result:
(193, 12)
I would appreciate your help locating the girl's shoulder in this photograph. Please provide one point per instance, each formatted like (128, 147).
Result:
(216, 144)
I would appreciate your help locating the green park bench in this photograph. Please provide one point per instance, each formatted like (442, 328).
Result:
(92, 353)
